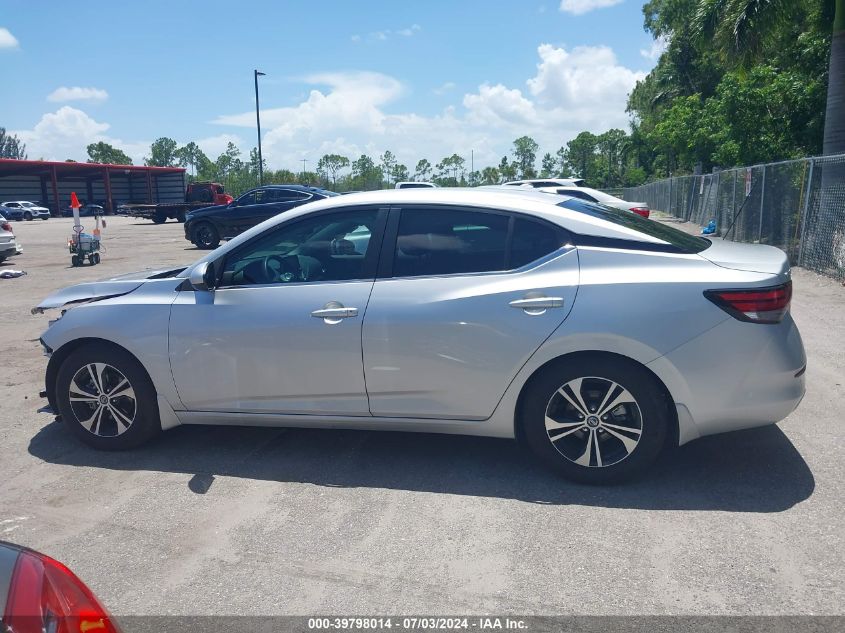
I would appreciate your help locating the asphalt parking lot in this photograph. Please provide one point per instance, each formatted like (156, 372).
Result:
(273, 521)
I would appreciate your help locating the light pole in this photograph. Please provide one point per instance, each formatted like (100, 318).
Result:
(258, 125)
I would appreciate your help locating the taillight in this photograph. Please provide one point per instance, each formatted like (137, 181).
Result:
(5, 226)
(643, 211)
(756, 305)
(44, 595)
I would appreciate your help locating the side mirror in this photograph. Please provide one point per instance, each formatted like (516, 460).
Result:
(201, 277)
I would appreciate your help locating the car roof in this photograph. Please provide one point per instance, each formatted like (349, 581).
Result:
(306, 188)
(563, 182)
(526, 201)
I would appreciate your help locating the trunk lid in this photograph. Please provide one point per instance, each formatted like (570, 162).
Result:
(756, 258)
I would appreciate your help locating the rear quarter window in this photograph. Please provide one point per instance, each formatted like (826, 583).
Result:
(675, 241)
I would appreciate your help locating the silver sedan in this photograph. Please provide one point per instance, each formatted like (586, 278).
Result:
(593, 336)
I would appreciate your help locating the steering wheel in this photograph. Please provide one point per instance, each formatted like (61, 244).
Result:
(283, 268)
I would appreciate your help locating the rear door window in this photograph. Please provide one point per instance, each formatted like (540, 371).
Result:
(432, 241)
(449, 241)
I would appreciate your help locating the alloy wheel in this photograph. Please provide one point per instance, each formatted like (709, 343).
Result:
(204, 235)
(593, 422)
(102, 399)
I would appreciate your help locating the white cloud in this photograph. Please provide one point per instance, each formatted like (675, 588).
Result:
(657, 48)
(580, 7)
(76, 93)
(409, 31)
(584, 88)
(213, 146)
(444, 88)
(66, 132)
(386, 34)
(7, 40)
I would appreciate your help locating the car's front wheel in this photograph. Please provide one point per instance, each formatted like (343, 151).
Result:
(106, 398)
(595, 419)
(206, 236)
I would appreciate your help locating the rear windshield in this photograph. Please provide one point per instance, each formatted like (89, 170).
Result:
(681, 241)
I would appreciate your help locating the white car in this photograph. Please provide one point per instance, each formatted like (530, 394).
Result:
(410, 184)
(536, 183)
(594, 195)
(25, 210)
(8, 244)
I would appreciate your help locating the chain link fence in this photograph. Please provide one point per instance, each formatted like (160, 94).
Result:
(796, 205)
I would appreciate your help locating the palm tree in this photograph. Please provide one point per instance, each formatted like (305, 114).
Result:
(834, 122)
(740, 27)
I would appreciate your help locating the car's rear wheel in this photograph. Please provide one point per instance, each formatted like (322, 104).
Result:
(106, 398)
(595, 419)
(206, 236)
(159, 217)
(27, 216)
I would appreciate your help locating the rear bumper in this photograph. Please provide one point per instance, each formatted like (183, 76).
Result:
(12, 248)
(736, 376)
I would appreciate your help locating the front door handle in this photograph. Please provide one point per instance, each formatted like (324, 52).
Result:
(333, 312)
(537, 305)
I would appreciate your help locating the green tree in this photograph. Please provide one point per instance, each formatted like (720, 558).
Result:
(423, 170)
(162, 153)
(190, 155)
(744, 30)
(547, 166)
(525, 155)
(400, 173)
(561, 163)
(581, 156)
(490, 176)
(330, 165)
(388, 162)
(11, 146)
(366, 175)
(101, 152)
(450, 171)
(612, 146)
(507, 170)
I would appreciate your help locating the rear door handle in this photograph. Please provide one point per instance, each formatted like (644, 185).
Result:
(333, 312)
(535, 306)
(537, 303)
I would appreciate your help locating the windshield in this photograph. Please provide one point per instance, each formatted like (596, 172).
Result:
(680, 240)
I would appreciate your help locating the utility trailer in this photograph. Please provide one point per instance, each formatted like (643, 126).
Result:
(198, 195)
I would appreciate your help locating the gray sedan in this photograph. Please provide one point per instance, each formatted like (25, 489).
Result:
(595, 337)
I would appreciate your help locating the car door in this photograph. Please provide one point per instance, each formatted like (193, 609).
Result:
(281, 332)
(240, 216)
(464, 297)
(287, 199)
(15, 212)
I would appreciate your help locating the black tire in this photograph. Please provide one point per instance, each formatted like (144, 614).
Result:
(46, 217)
(205, 236)
(648, 419)
(144, 424)
(27, 216)
(159, 217)
(74, 260)
(180, 216)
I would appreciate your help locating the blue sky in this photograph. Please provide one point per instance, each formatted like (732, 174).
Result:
(421, 79)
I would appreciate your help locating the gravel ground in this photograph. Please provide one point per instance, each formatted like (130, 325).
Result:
(264, 521)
